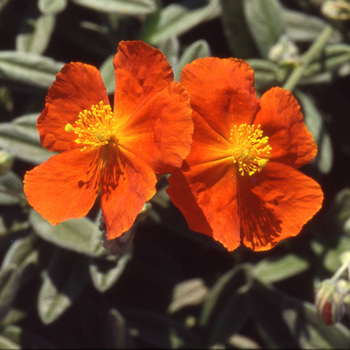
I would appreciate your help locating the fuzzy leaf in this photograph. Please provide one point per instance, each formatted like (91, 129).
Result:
(52, 6)
(315, 123)
(308, 330)
(265, 22)
(78, 235)
(105, 273)
(130, 7)
(28, 69)
(198, 49)
(26, 339)
(11, 189)
(9, 284)
(64, 280)
(21, 145)
(277, 269)
(35, 33)
(24, 255)
(178, 18)
(107, 73)
(236, 30)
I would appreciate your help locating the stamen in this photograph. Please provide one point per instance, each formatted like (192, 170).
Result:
(250, 150)
(95, 128)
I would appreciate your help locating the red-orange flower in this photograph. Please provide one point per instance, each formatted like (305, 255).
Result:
(240, 181)
(119, 152)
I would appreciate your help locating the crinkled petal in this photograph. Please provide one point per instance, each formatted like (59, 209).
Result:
(65, 186)
(141, 71)
(206, 194)
(128, 183)
(276, 205)
(281, 119)
(221, 92)
(160, 133)
(78, 86)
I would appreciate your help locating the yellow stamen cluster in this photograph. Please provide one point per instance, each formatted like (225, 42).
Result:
(250, 150)
(95, 128)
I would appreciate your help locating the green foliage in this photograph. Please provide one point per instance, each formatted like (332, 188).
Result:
(64, 287)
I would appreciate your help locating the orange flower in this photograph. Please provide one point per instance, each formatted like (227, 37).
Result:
(119, 152)
(240, 181)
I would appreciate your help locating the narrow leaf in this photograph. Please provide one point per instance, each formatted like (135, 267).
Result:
(277, 269)
(315, 123)
(236, 29)
(52, 6)
(11, 189)
(26, 339)
(22, 146)
(28, 69)
(105, 273)
(130, 7)
(198, 49)
(35, 32)
(265, 22)
(178, 18)
(308, 330)
(79, 235)
(9, 284)
(65, 279)
(107, 73)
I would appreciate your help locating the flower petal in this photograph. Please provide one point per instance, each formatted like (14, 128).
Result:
(281, 119)
(78, 86)
(160, 133)
(65, 186)
(128, 183)
(221, 92)
(276, 205)
(206, 194)
(140, 72)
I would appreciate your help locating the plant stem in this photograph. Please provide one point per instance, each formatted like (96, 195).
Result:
(313, 52)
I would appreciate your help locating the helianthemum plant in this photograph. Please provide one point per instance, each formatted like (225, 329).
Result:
(241, 183)
(115, 152)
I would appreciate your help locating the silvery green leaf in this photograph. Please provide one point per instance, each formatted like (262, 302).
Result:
(26, 126)
(178, 18)
(198, 49)
(236, 30)
(171, 49)
(9, 285)
(21, 145)
(105, 273)
(52, 6)
(107, 74)
(79, 235)
(315, 123)
(274, 270)
(130, 7)
(24, 255)
(266, 73)
(188, 293)
(265, 31)
(65, 278)
(25, 339)
(28, 69)
(314, 334)
(35, 33)
(11, 189)
(301, 26)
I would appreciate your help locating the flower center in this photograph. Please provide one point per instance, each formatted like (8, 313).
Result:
(250, 150)
(95, 128)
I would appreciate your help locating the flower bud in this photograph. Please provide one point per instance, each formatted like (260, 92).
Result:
(329, 302)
